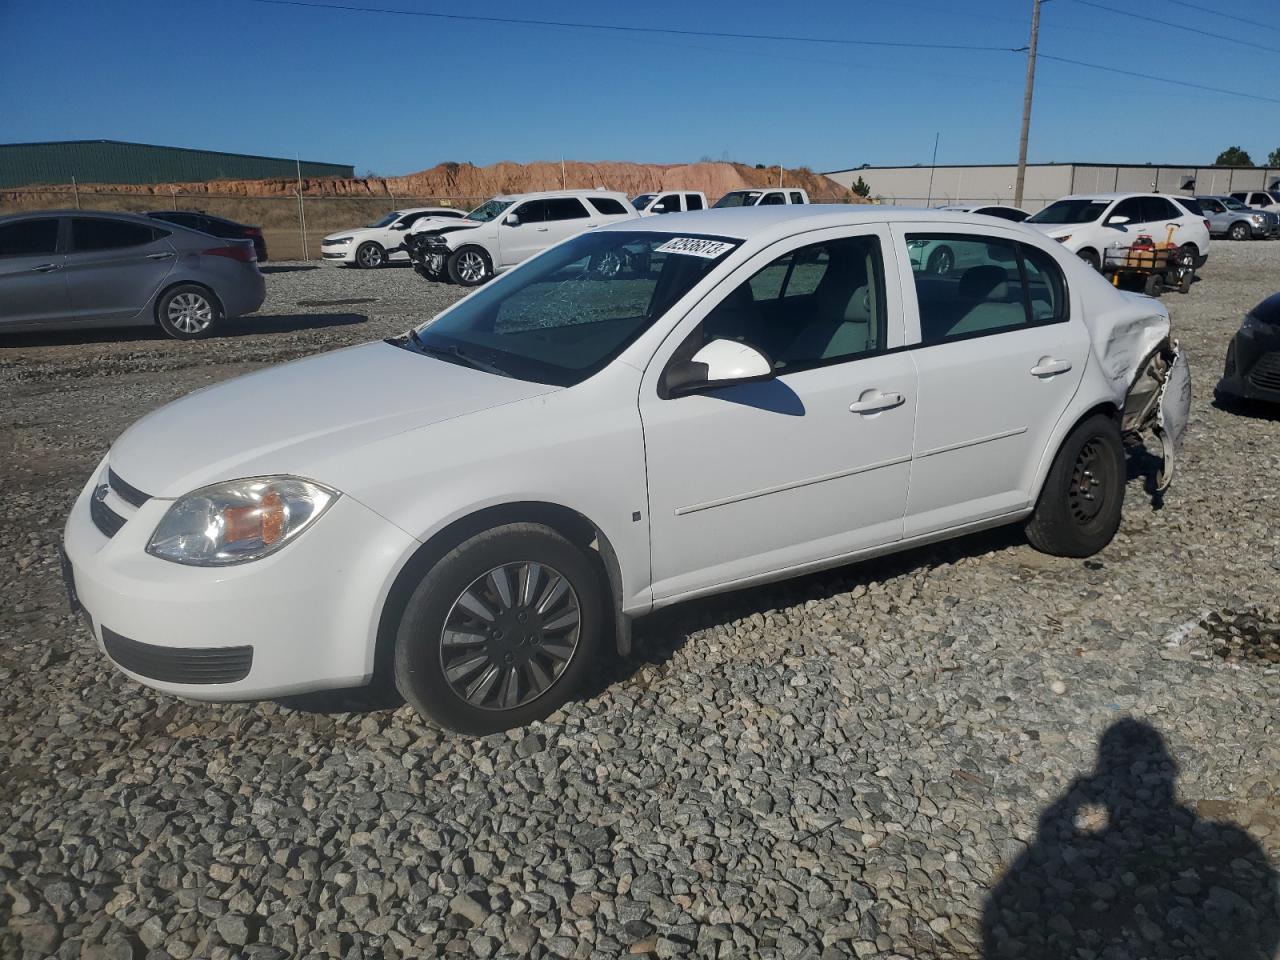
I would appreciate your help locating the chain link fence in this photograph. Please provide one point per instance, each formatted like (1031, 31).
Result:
(293, 227)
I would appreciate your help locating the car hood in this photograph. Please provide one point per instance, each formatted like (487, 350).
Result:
(1056, 230)
(293, 418)
(356, 233)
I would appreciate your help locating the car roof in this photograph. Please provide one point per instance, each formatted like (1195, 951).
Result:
(741, 223)
(72, 212)
(546, 194)
(1121, 195)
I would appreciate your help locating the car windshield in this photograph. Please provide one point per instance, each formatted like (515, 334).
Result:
(643, 200)
(565, 315)
(388, 220)
(488, 210)
(1070, 211)
(739, 198)
(1231, 203)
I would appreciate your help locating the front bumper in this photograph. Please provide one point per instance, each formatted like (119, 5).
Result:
(346, 253)
(1252, 368)
(304, 618)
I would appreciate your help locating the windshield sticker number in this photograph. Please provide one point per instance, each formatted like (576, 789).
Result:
(710, 249)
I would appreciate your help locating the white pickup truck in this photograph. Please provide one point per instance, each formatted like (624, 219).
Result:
(763, 197)
(671, 201)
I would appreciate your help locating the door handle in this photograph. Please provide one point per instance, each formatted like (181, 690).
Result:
(159, 256)
(881, 401)
(46, 267)
(1050, 368)
(542, 229)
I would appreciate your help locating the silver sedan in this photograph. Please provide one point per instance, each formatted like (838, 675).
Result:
(81, 268)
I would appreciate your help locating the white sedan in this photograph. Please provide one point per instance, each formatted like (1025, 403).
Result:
(477, 508)
(379, 243)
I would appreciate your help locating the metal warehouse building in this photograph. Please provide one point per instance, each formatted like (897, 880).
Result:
(924, 186)
(114, 161)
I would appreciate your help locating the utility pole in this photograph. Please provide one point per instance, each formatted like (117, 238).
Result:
(302, 210)
(1026, 103)
(932, 166)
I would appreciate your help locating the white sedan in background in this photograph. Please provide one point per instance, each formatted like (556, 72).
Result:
(490, 499)
(377, 244)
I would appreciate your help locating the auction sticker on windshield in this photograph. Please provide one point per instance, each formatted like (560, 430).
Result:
(695, 247)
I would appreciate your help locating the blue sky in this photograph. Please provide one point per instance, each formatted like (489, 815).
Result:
(394, 94)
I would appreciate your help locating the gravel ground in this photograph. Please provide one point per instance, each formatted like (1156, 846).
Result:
(967, 750)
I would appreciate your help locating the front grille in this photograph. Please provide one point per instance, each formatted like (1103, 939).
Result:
(178, 664)
(1265, 374)
(104, 518)
(126, 491)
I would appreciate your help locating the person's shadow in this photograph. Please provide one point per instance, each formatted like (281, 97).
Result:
(1120, 871)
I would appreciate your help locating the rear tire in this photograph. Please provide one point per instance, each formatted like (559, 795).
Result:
(470, 266)
(1081, 502)
(188, 312)
(501, 631)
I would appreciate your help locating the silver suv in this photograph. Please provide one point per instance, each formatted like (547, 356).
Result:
(1229, 217)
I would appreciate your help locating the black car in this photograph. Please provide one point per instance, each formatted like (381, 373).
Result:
(215, 227)
(1253, 356)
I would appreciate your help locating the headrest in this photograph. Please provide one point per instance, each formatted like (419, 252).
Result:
(987, 282)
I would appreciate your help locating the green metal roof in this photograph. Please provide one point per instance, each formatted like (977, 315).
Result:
(115, 161)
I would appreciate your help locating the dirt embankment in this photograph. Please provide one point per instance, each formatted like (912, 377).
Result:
(464, 180)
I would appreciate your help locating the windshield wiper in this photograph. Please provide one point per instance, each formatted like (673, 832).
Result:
(456, 355)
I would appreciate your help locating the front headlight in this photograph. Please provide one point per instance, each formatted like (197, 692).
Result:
(238, 521)
(1258, 218)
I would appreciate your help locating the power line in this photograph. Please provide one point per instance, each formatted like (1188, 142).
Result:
(518, 21)
(1147, 76)
(1225, 16)
(1149, 20)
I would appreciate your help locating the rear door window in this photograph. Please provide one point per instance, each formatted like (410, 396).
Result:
(89, 235)
(29, 238)
(565, 208)
(797, 197)
(1004, 286)
(773, 200)
(1159, 210)
(692, 201)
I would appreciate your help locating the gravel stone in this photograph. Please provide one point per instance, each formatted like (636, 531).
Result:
(910, 757)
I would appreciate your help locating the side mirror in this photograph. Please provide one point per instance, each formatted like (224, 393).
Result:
(720, 363)
(511, 220)
(1117, 221)
(400, 226)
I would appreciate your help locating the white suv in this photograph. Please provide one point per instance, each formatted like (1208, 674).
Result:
(1090, 224)
(764, 197)
(507, 230)
(374, 245)
(1259, 199)
(490, 499)
(671, 201)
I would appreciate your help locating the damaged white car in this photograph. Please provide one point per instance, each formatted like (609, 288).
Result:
(477, 508)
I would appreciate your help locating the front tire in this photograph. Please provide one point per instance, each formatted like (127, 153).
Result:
(470, 267)
(1091, 258)
(501, 631)
(370, 255)
(188, 312)
(1240, 231)
(1080, 504)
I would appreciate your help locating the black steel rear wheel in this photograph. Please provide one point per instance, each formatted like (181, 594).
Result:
(1082, 498)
